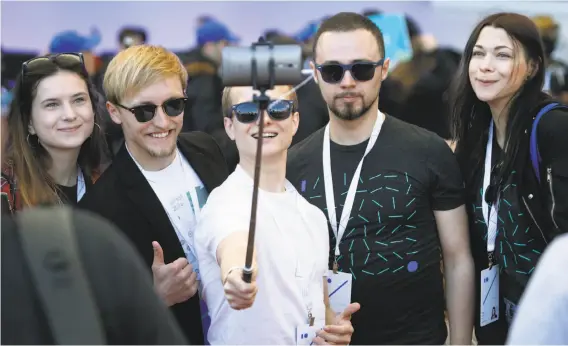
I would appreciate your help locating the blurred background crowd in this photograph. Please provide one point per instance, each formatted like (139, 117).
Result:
(425, 44)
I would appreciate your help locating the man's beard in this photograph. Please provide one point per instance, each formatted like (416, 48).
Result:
(162, 152)
(350, 110)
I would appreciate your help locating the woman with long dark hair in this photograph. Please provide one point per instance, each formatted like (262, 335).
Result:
(517, 196)
(56, 145)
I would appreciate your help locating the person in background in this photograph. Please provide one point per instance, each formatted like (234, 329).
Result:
(541, 318)
(311, 106)
(204, 19)
(291, 244)
(393, 194)
(159, 180)
(203, 108)
(203, 111)
(371, 12)
(72, 42)
(131, 36)
(6, 100)
(556, 75)
(419, 85)
(494, 100)
(305, 38)
(56, 146)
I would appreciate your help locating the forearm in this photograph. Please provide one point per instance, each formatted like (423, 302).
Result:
(231, 252)
(459, 275)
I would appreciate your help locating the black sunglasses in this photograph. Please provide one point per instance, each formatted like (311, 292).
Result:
(145, 113)
(361, 71)
(247, 112)
(66, 60)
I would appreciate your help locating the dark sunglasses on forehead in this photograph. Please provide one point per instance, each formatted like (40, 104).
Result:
(361, 71)
(69, 60)
(248, 112)
(146, 112)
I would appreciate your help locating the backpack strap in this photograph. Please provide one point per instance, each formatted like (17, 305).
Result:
(51, 250)
(534, 153)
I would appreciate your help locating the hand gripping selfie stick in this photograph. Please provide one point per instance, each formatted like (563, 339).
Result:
(262, 65)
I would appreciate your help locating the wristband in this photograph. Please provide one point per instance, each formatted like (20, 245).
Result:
(229, 273)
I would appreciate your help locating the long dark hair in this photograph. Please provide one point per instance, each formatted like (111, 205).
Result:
(470, 118)
(28, 159)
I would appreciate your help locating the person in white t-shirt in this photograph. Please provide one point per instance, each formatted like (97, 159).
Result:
(290, 263)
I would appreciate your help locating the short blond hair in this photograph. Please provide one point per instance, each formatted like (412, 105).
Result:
(227, 102)
(137, 67)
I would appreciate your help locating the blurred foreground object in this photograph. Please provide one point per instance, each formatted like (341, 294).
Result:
(542, 315)
(69, 277)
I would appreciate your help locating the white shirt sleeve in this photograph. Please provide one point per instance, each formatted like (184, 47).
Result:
(542, 315)
(224, 213)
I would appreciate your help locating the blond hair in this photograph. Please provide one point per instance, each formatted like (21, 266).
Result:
(137, 67)
(227, 102)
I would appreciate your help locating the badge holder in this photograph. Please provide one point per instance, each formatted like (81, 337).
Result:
(339, 288)
(489, 302)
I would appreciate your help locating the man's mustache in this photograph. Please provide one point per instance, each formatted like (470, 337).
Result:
(348, 94)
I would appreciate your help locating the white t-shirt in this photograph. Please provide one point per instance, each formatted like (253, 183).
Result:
(182, 195)
(292, 246)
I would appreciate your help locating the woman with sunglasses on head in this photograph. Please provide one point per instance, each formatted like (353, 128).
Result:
(514, 155)
(56, 147)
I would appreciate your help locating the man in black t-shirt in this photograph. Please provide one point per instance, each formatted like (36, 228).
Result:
(404, 205)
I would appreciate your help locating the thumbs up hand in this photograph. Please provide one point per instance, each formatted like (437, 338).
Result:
(340, 332)
(175, 282)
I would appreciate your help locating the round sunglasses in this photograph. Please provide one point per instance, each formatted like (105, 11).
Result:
(147, 112)
(361, 71)
(248, 112)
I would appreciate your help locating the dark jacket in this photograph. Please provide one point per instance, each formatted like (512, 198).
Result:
(204, 102)
(124, 196)
(204, 91)
(547, 202)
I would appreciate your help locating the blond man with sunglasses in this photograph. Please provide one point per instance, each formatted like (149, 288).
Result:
(159, 180)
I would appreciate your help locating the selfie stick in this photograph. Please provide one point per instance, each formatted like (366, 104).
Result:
(262, 100)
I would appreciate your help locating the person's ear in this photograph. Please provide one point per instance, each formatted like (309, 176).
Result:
(534, 66)
(229, 127)
(114, 113)
(314, 71)
(296, 120)
(385, 69)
